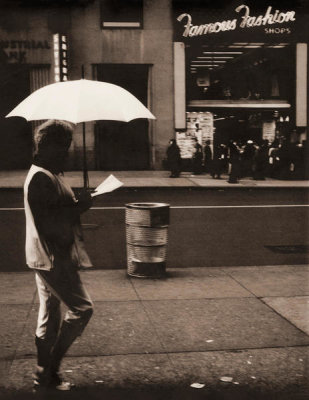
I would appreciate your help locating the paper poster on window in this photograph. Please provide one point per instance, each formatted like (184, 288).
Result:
(199, 126)
(269, 131)
(185, 143)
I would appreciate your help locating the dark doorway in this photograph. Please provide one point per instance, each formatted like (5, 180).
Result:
(120, 145)
(15, 132)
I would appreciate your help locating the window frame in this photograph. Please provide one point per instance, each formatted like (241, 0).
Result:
(138, 24)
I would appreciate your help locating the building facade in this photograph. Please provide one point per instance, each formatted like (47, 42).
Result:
(129, 45)
(202, 70)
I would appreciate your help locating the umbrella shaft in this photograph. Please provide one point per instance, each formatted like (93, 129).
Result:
(85, 171)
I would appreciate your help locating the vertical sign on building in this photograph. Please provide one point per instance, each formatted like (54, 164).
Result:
(60, 57)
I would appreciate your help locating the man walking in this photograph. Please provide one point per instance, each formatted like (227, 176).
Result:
(55, 250)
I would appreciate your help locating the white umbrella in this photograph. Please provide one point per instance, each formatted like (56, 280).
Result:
(81, 101)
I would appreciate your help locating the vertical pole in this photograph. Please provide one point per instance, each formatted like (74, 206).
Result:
(85, 171)
(179, 85)
(301, 84)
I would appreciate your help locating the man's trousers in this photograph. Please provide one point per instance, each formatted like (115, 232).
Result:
(56, 286)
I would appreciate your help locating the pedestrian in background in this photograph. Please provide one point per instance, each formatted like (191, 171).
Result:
(305, 151)
(283, 157)
(273, 159)
(197, 159)
(173, 159)
(261, 161)
(224, 157)
(55, 250)
(247, 159)
(218, 161)
(207, 157)
(297, 160)
(235, 161)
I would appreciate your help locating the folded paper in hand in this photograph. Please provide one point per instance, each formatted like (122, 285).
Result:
(108, 185)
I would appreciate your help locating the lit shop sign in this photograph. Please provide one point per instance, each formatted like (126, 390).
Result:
(60, 58)
(247, 21)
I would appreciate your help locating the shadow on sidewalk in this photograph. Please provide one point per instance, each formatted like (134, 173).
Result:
(222, 391)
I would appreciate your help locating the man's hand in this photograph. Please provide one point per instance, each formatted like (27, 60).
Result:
(84, 200)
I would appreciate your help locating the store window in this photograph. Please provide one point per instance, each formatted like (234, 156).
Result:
(245, 86)
(16, 136)
(121, 14)
(240, 71)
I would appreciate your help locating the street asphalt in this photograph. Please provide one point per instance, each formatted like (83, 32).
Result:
(235, 333)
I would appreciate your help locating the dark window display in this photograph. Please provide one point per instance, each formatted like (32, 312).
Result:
(248, 88)
(241, 72)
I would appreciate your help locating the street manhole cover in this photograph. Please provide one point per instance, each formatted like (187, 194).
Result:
(290, 249)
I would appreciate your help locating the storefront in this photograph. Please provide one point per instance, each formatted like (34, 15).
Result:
(25, 64)
(243, 72)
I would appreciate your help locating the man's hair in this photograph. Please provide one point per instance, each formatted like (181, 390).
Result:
(53, 132)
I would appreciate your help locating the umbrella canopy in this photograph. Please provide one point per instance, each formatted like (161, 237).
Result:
(81, 101)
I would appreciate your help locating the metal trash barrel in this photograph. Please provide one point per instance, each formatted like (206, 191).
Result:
(147, 237)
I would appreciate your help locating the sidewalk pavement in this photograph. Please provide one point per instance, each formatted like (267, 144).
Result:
(15, 179)
(153, 338)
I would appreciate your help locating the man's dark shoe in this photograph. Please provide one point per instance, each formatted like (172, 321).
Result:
(41, 377)
(57, 383)
(45, 380)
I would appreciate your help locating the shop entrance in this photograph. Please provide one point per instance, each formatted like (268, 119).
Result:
(246, 86)
(15, 132)
(121, 145)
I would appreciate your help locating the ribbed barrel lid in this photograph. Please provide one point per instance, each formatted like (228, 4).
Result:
(146, 206)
